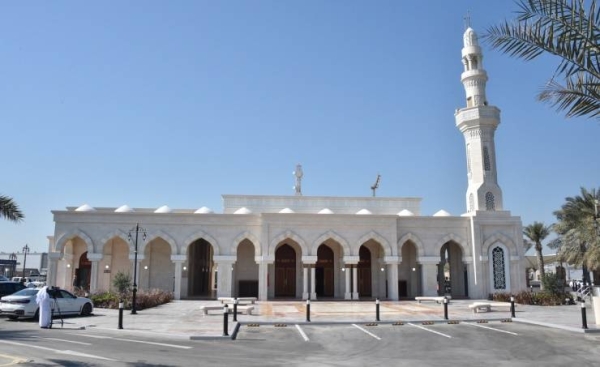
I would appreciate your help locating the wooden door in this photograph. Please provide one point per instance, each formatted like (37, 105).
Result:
(285, 271)
(364, 272)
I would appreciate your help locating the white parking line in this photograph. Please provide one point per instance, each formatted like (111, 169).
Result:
(62, 340)
(69, 352)
(302, 332)
(138, 341)
(489, 328)
(366, 331)
(432, 331)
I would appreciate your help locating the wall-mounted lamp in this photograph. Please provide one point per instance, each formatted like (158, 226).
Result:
(382, 269)
(343, 269)
(414, 269)
(68, 265)
(185, 268)
(145, 267)
(106, 267)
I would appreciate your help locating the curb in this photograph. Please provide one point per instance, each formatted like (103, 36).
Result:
(555, 326)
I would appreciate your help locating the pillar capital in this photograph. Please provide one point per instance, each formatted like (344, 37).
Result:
(351, 260)
(139, 257)
(178, 258)
(224, 259)
(309, 260)
(55, 255)
(264, 259)
(94, 257)
(428, 260)
(392, 260)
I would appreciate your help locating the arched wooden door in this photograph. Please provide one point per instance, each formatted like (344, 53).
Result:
(285, 271)
(200, 269)
(364, 272)
(83, 272)
(324, 280)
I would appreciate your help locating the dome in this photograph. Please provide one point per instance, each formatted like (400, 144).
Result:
(470, 38)
(363, 212)
(124, 209)
(163, 209)
(243, 210)
(204, 210)
(325, 211)
(405, 213)
(442, 213)
(287, 211)
(85, 208)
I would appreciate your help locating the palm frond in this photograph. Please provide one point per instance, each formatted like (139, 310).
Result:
(10, 210)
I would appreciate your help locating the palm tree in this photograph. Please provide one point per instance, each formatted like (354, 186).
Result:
(10, 210)
(580, 244)
(563, 28)
(536, 233)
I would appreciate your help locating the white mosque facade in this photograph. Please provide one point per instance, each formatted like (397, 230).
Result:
(306, 247)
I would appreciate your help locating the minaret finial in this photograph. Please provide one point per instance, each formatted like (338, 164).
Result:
(467, 19)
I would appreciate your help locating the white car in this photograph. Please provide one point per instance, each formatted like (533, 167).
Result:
(23, 304)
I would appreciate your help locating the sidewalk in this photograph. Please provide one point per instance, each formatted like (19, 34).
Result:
(183, 319)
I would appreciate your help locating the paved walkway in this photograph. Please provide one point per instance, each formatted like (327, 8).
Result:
(183, 319)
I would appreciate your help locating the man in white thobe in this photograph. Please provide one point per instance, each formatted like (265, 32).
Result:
(45, 313)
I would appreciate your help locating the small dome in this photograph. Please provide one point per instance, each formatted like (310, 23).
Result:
(124, 209)
(204, 210)
(363, 212)
(405, 213)
(470, 38)
(85, 208)
(243, 210)
(325, 211)
(442, 213)
(287, 211)
(163, 209)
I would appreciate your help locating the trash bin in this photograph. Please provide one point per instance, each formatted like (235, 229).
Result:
(596, 303)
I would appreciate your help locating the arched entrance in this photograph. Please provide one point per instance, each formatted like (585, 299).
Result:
(285, 271)
(452, 272)
(83, 272)
(324, 279)
(364, 272)
(200, 274)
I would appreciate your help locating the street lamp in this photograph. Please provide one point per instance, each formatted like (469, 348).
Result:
(137, 229)
(25, 251)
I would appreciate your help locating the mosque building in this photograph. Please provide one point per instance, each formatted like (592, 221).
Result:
(309, 247)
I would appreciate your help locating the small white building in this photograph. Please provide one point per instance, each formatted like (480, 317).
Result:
(303, 247)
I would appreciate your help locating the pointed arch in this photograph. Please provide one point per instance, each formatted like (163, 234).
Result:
(163, 235)
(115, 233)
(387, 249)
(198, 235)
(502, 238)
(334, 236)
(247, 235)
(456, 239)
(291, 235)
(414, 239)
(62, 241)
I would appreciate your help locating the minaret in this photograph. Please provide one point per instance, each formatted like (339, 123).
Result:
(478, 123)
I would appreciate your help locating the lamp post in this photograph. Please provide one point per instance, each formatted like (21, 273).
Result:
(137, 229)
(25, 251)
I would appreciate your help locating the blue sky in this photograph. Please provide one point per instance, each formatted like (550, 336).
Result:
(152, 103)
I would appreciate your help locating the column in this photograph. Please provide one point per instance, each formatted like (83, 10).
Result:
(94, 259)
(429, 265)
(355, 294)
(178, 260)
(391, 264)
(263, 276)
(347, 271)
(53, 259)
(224, 267)
(313, 291)
(67, 280)
(305, 283)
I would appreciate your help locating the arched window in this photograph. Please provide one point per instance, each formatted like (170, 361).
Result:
(489, 201)
(486, 159)
(471, 202)
(498, 268)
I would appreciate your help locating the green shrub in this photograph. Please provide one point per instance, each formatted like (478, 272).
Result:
(553, 284)
(543, 298)
(144, 299)
(122, 283)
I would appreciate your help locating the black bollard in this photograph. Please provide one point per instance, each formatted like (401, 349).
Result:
(121, 315)
(445, 308)
(235, 303)
(308, 310)
(583, 316)
(225, 320)
(512, 306)
(377, 309)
